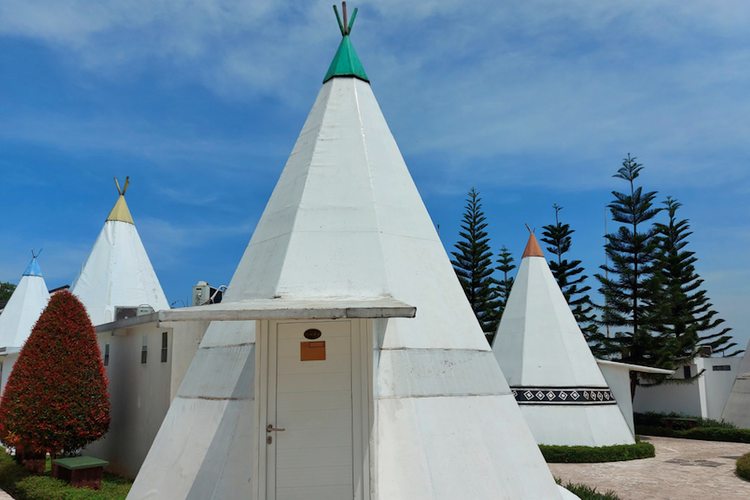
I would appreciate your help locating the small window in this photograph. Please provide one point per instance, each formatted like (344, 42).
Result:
(106, 354)
(164, 346)
(144, 349)
(686, 371)
(722, 368)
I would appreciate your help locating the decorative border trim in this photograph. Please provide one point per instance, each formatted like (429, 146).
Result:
(568, 396)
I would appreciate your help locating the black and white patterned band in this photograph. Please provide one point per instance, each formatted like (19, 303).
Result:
(573, 396)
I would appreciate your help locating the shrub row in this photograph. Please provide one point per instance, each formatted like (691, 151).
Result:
(654, 419)
(44, 487)
(703, 433)
(592, 454)
(743, 466)
(10, 473)
(587, 493)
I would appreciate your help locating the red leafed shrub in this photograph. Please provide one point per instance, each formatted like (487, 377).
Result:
(56, 397)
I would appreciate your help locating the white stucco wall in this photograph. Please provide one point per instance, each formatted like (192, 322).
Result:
(618, 380)
(718, 384)
(140, 393)
(6, 366)
(704, 397)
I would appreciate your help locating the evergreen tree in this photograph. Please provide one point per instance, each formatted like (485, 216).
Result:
(6, 290)
(56, 397)
(633, 298)
(690, 315)
(569, 274)
(473, 264)
(503, 286)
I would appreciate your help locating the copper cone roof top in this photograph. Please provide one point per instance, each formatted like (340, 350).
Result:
(532, 248)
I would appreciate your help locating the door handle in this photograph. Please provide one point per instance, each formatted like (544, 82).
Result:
(271, 428)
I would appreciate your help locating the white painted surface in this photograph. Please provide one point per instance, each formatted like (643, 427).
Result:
(7, 362)
(539, 344)
(141, 393)
(23, 310)
(117, 273)
(313, 457)
(737, 408)
(346, 221)
(617, 376)
(705, 397)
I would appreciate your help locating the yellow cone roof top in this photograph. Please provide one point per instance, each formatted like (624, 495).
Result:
(120, 211)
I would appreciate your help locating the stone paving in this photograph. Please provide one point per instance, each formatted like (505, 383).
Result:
(683, 469)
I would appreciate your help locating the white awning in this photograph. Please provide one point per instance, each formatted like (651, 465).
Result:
(635, 368)
(258, 309)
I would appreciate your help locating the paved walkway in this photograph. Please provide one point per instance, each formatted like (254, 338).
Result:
(683, 469)
(5, 496)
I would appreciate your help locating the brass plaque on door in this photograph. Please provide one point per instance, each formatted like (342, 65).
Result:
(313, 351)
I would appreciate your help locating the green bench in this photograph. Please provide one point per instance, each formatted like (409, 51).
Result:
(80, 471)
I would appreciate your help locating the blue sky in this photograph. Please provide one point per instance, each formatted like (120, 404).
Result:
(532, 103)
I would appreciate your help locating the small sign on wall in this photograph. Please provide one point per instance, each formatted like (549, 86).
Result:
(313, 351)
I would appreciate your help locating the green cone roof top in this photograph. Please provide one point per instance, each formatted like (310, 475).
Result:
(346, 62)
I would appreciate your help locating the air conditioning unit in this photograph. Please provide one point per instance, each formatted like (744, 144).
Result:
(706, 351)
(201, 293)
(125, 313)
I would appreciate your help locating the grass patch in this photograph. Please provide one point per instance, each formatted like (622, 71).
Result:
(743, 466)
(587, 493)
(703, 433)
(593, 454)
(23, 485)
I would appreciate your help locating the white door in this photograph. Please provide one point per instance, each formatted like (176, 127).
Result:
(311, 400)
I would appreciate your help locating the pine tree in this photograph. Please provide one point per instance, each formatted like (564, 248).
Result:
(505, 259)
(690, 316)
(56, 397)
(473, 264)
(569, 274)
(633, 298)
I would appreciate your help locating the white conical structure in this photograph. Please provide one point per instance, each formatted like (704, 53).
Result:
(24, 307)
(346, 221)
(118, 272)
(737, 407)
(556, 381)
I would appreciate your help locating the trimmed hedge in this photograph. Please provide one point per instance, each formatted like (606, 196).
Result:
(654, 419)
(10, 473)
(702, 433)
(44, 487)
(743, 466)
(592, 454)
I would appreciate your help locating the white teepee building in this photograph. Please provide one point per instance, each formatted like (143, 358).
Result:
(118, 272)
(737, 407)
(551, 371)
(378, 404)
(20, 315)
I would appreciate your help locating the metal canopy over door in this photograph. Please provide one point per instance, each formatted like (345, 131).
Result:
(313, 430)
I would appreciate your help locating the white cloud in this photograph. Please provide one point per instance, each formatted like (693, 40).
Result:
(556, 84)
